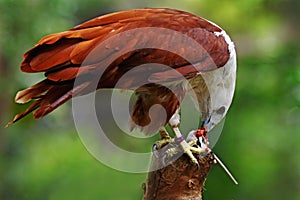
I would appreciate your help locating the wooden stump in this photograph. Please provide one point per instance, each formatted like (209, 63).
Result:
(180, 180)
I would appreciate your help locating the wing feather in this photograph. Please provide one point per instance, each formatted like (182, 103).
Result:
(33, 92)
(62, 55)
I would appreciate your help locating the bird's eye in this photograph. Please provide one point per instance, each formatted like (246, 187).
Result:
(221, 110)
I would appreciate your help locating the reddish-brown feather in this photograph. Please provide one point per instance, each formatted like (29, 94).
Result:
(63, 57)
(152, 94)
(59, 54)
(133, 15)
(33, 92)
(44, 57)
(66, 74)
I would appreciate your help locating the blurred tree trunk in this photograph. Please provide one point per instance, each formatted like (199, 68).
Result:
(180, 180)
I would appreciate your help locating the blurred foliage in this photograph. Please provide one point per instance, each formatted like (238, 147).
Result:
(45, 159)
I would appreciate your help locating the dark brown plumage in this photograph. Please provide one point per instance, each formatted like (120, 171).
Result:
(62, 57)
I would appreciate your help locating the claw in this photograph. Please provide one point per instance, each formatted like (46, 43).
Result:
(154, 150)
(154, 147)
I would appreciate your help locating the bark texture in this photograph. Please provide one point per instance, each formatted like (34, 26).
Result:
(180, 180)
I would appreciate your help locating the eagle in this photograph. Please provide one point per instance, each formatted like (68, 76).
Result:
(174, 52)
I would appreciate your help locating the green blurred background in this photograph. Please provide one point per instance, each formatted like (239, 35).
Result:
(260, 143)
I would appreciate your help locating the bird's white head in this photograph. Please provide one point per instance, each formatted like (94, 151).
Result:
(221, 85)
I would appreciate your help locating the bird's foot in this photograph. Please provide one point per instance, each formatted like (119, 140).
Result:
(162, 142)
(190, 148)
(173, 149)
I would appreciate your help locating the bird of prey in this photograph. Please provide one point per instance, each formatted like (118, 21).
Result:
(156, 42)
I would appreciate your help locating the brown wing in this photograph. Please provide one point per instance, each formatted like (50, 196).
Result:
(70, 54)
